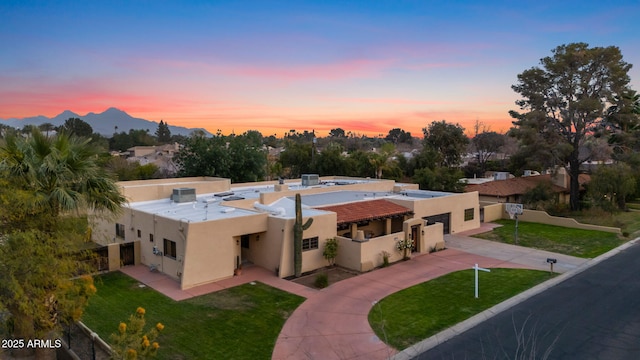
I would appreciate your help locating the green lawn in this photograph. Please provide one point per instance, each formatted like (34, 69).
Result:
(416, 313)
(627, 221)
(240, 323)
(574, 242)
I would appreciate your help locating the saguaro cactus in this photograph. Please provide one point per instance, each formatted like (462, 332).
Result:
(298, 228)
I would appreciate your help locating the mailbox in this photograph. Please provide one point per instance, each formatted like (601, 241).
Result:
(552, 261)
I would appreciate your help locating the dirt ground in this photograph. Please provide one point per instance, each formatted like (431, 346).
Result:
(334, 274)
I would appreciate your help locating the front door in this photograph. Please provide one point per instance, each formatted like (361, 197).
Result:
(127, 254)
(415, 236)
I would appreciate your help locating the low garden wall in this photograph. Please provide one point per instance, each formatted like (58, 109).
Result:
(367, 255)
(497, 211)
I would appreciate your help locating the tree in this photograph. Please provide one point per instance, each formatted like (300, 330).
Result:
(381, 160)
(163, 134)
(486, 145)
(247, 158)
(330, 251)
(202, 156)
(77, 127)
(296, 158)
(610, 193)
(46, 127)
(330, 161)
(48, 185)
(439, 179)
(337, 133)
(240, 158)
(564, 102)
(398, 136)
(447, 142)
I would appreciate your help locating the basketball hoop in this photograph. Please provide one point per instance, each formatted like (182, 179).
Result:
(513, 209)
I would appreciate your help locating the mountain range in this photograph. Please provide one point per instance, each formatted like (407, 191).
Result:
(105, 123)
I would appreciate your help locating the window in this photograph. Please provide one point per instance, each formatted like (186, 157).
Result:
(120, 230)
(469, 214)
(139, 233)
(310, 243)
(151, 237)
(169, 248)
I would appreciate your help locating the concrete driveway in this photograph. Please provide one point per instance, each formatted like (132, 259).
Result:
(333, 323)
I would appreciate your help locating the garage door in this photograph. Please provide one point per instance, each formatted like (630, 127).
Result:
(445, 219)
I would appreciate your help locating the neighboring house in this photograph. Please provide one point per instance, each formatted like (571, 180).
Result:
(511, 190)
(161, 156)
(199, 230)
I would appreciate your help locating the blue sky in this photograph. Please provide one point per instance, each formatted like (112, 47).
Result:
(364, 66)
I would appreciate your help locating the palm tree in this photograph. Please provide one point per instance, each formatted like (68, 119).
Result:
(46, 127)
(61, 171)
(47, 185)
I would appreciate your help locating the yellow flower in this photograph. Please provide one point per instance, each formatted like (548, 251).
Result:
(145, 343)
(159, 326)
(131, 354)
(140, 311)
(92, 289)
(155, 345)
(122, 327)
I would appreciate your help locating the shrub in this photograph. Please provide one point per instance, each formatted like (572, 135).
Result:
(322, 281)
(385, 259)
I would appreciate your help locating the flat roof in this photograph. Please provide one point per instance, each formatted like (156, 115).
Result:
(194, 211)
(212, 206)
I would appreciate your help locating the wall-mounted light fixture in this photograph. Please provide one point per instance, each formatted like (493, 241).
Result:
(237, 242)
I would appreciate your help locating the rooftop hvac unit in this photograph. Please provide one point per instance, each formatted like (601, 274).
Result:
(181, 195)
(310, 180)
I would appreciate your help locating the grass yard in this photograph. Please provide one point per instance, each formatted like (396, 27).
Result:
(574, 242)
(627, 221)
(413, 314)
(239, 323)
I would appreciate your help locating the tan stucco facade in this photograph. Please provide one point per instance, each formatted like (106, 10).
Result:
(196, 251)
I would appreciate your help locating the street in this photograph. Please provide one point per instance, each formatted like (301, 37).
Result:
(593, 315)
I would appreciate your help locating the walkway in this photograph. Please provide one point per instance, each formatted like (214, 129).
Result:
(171, 288)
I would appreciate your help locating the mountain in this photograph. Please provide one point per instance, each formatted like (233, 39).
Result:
(104, 123)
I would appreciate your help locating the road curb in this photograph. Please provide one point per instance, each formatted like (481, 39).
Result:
(443, 336)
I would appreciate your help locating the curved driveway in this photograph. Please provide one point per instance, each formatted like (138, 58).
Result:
(333, 322)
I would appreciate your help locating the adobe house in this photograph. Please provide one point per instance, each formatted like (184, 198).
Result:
(511, 190)
(200, 230)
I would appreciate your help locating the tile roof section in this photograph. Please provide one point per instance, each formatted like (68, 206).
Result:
(518, 186)
(366, 210)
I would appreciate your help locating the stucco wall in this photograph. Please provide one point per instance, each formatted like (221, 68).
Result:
(433, 238)
(455, 204)
(493, 212)
(367, 255)
(144, 190)
(324, 227)
(212, 248)
(544, 218)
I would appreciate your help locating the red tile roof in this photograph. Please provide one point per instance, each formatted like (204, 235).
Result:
(518, 185)
(366, 210)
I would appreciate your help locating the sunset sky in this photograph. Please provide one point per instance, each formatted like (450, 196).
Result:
(364, 66)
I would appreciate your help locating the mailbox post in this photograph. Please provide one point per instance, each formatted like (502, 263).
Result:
(551, 262)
